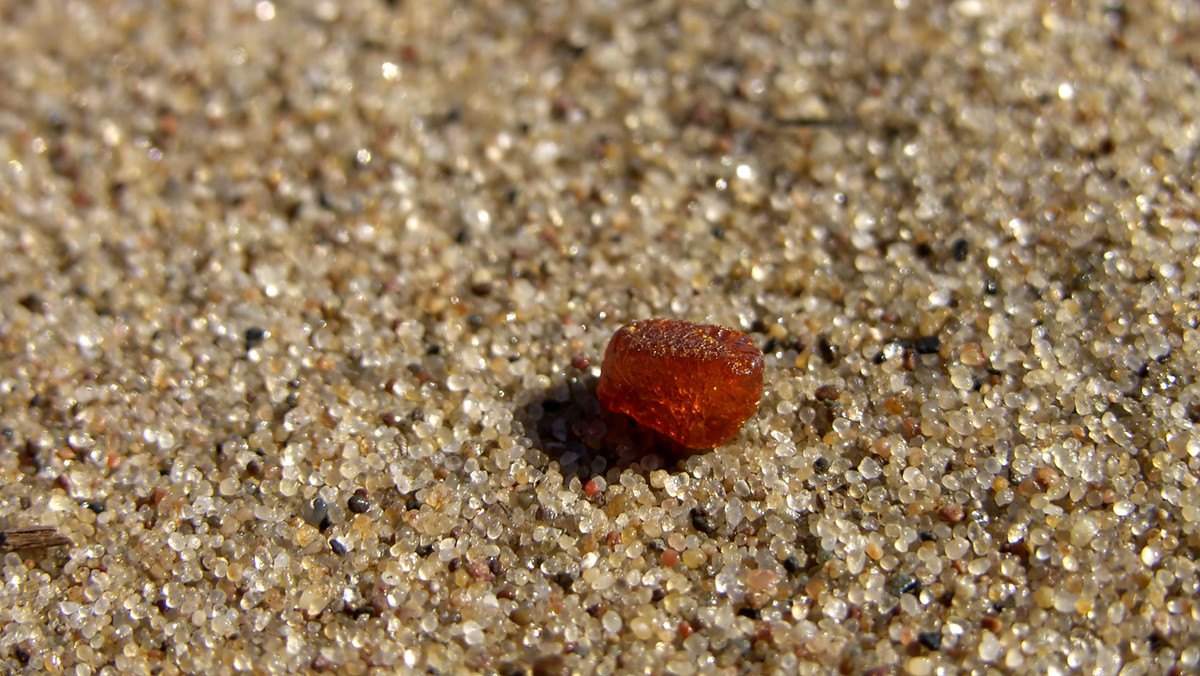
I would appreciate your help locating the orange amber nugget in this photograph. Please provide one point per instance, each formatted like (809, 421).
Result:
(694, 383)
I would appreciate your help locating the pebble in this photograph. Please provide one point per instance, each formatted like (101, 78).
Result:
(359, 502)
(696, 384)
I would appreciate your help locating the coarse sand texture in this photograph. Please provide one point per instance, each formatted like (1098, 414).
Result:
(304, 309)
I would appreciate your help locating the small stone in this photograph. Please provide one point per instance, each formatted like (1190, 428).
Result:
(479, 570)
(903, 583)
(912, 428)
(1084, 530)
(928, 344)
(696, 384)
(358, 503)
(918, 666)
(815, 587)
(960, 250)
(592, 488)
(762, 580)
(990, 648)
(318, 514)
(951, 513)
(255, 336)
(1046, 477)
(669, 558)
(827, 393)
(931, 639)
(972, 354)
(701, 521)
(521, 616)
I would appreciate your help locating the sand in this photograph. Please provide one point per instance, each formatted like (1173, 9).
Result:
(302, 308)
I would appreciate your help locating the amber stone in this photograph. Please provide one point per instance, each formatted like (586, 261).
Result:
(696, 384)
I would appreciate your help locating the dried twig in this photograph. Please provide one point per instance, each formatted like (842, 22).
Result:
(33, 537)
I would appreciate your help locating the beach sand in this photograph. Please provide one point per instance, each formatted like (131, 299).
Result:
(303, 305)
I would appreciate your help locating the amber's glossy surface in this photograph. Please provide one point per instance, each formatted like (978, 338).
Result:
(694, 383)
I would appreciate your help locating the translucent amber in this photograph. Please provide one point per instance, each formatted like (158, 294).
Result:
(694, 383)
